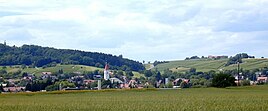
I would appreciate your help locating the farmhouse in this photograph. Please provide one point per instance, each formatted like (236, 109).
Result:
(88, 81)
(14, 89)
(262, 79)
(179, 80)
(46, 73)
(115, 80)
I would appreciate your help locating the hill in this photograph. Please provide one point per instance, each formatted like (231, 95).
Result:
(37, 56)
(207, 65)
(67, 69)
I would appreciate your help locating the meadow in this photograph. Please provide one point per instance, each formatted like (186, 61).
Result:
(207, 65)
(65, 68)
(253, 98)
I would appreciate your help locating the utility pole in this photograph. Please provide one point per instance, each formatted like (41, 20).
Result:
(99, 84)
(237, 73)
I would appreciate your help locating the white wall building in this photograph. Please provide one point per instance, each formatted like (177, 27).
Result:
(106, 74)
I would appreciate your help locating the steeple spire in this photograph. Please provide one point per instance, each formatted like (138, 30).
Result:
(106, 72)
(106, 67)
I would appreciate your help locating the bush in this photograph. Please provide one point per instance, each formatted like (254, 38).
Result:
(184, 85)
(223, 80)
(245, 82)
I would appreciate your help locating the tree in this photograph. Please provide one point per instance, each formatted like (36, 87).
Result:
(1, 88)
(28, 87)
(120, 73)
(63, 84)
(129, 73)
(158, 76)
(192, 70)
(223, 80)
(184, 84)
(60, 71)
(45, 56)
(148, 73)
(106, 84)
(2, 71)
(245, 82)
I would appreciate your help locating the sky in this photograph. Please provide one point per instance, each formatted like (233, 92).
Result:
(139, 29)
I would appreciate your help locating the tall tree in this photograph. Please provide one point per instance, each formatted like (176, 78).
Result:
(223, 80)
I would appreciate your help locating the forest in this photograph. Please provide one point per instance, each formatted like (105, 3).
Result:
(37, 56)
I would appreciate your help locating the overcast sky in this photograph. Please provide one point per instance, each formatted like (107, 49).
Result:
(139, 29)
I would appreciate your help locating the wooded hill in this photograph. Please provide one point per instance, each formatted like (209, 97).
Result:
(37, 56)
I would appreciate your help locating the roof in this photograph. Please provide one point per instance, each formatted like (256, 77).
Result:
(182, 79)
(106, 67)
(89, 81)
(47, 73)
(115, 80)
(262, 78)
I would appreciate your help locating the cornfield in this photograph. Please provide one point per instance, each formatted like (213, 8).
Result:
(254, 98)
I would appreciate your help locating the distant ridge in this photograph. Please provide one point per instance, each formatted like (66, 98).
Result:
(37, 56)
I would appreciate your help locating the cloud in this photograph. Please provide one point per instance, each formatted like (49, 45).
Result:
(140, 30)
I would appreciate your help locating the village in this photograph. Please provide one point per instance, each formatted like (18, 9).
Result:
(80, 82)
(107, 80)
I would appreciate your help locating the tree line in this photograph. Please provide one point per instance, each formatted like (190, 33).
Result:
(37, 56)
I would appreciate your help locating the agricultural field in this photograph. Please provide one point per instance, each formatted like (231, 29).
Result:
(253, 98)
(207, 65)
(65, 68)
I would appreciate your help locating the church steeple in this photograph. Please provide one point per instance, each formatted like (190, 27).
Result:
(5, 43)
(106, 72)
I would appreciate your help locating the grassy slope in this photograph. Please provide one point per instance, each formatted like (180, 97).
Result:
(207, 65)
(66, 69)
(252, 98)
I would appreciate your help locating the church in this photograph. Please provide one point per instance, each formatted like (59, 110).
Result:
(106, 72)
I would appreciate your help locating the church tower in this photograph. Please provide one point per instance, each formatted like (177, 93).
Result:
(106, 74)
(5, 43)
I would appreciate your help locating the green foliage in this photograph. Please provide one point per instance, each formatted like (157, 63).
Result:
(48, 57)
(106, 84)
(208, 65)
(237, 58)
(245, 82)
(169, 85)
(184, 84)
(223, 80)
(1, 88)
(3, 71)
(129, 73)
(38, 85)
(63, 84)
(148, 73)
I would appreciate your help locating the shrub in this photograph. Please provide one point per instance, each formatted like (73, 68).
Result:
(223, 80)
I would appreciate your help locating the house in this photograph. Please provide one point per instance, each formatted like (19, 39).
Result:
(14, 89)
(88, 81)
(4, 85)
(178, 81)
(130, 84)
(46, 74)
(115, 80)
(262, 79)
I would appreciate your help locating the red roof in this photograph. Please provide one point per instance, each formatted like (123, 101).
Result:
(106, 67)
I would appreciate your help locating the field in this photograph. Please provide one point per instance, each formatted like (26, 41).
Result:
(254, 98)
(65, 68)
(207, 65)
